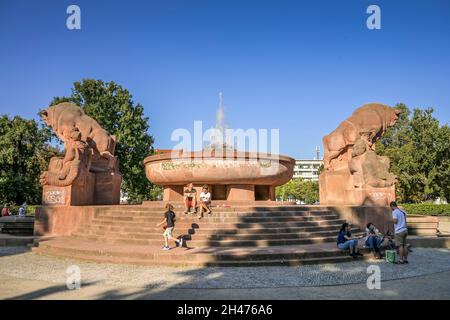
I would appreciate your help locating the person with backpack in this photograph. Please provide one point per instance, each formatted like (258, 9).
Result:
(169, 225)
(401, 232)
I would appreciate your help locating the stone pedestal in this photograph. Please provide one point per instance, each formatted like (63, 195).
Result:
(337, 188)
(98, 188)
(107, 188)
(81, 192)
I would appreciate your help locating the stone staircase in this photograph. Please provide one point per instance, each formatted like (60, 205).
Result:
(238, 235)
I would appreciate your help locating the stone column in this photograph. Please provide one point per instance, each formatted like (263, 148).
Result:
(173, 193)
(241, 192)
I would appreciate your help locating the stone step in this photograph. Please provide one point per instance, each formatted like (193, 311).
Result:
(209, 243)
(214, 219)
(196, 263)
(159, 214)
(210, 231)
(220, 236)
(197, 224)
(7, 240)
(240, 208)
(244, 256)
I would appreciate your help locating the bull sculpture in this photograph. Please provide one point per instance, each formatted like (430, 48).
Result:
(88, 147)
(368, 122)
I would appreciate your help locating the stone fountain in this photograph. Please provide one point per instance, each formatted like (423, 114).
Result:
(231, 175)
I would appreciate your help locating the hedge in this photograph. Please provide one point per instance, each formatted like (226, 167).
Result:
(426, 209)
(15, 209)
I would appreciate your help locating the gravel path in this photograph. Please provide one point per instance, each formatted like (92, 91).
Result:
(17, 262)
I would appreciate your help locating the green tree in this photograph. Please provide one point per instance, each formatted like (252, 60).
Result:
(24, 153)
(113, 108)
(320, 170)
(418, 147)
(298, 189)
(309, 192)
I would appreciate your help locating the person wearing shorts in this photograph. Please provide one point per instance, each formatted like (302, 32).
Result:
(169, 225)
(205, 201)
(190, 199)
(401, 232)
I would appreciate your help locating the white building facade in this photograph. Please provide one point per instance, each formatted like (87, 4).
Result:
(307, 169)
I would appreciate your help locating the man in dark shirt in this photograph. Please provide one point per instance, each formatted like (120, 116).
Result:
(169, 225)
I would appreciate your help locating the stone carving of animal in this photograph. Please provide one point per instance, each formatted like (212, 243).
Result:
(369, 122)
(65, 116)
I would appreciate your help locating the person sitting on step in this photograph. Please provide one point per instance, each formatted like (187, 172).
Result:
(345, 241)
(5, 211)
(374, 240)
(190, 199)
(23, 210)
(205, 201)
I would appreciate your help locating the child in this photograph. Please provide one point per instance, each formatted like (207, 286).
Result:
(169, 221)
(205, 201)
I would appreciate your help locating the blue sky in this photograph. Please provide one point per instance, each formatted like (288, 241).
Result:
(300, 66)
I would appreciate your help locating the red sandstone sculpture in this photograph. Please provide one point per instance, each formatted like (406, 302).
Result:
(63, 171)
(88, 172)
(369, 122)
(354, 174)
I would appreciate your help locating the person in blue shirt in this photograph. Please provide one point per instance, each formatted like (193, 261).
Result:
(345, 241)
(23, 210)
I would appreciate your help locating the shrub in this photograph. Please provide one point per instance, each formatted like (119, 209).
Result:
(426, 209)
(15, 209)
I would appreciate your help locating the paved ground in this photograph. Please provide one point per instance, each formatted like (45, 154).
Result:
(25, 275)
(430, 287)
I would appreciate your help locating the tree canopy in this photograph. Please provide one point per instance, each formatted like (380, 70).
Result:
(113, 108)
(24, 153)
(419, 149)
(299, 189)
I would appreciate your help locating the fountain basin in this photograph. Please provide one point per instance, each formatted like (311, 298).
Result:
(232, 175)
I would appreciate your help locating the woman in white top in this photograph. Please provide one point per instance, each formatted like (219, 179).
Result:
(205, 201)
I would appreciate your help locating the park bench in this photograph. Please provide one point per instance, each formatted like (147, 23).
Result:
(17, 225)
